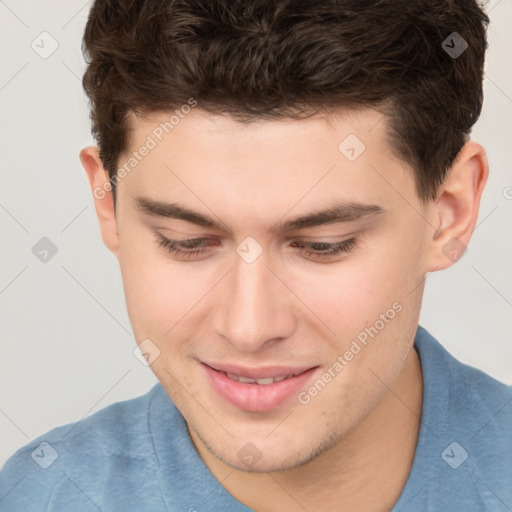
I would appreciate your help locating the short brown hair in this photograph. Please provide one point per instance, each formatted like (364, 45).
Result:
(271, 59)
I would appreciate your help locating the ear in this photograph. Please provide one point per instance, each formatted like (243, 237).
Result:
(102, 193)
(456, 207)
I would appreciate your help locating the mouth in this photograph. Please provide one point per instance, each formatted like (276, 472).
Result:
(257, 393)
(262, 382)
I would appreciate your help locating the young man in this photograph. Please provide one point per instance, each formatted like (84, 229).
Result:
(276, 180)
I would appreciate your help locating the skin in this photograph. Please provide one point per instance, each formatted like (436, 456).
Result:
(354, 442)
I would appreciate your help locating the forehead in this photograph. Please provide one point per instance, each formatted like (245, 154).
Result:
(195, 135)
(204, 159)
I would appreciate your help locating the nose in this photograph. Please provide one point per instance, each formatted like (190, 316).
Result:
(256, 310)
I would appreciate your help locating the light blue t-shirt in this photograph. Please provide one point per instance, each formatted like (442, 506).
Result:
(137, 455)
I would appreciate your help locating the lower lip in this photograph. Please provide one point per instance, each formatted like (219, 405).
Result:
(256, 397)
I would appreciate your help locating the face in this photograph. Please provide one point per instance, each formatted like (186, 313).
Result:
(259, 290)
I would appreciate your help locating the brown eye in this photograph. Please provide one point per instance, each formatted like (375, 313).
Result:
(327, 250)
(188, 248)
(192, 247)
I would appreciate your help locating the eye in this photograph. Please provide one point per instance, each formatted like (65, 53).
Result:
(193, 247)
(188, 248)
(327, 250)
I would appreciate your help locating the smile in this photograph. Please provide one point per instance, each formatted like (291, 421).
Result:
(260, 394)
(261, 382)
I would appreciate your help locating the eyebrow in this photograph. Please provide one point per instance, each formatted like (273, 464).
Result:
(337, 213)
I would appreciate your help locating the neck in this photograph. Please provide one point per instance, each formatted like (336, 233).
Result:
(366, 470)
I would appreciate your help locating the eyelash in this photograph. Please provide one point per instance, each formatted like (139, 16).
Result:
(172, 246)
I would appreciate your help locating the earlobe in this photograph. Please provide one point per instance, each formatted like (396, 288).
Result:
(455, 210)
(102, 195)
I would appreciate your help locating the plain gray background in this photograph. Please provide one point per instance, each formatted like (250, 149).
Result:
(67, 347)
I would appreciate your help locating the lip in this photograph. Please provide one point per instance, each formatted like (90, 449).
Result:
(258, 373)
(257, 397)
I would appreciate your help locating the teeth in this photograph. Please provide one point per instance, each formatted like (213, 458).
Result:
(246, 379)
(262, 382)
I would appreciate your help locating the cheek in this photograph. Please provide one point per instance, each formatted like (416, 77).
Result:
(351, 296)
(366, 298)
(158, 292)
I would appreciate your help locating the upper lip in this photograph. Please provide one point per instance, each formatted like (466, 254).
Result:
(259, 373)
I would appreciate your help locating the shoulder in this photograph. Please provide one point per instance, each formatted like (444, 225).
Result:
(483, 421)
(468, 392)
(468, 416)
(102, 447)
(475, 398)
